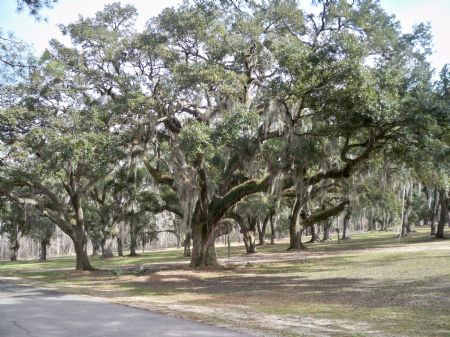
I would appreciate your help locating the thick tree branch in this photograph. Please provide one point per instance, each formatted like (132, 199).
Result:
(221, 205)
(325, 214)
(158, 176)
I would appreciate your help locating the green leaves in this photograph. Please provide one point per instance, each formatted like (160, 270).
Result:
(195, 142)
(238, 128)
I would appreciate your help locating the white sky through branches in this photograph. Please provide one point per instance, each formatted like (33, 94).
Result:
(26, 28)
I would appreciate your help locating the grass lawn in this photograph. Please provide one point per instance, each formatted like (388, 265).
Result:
(371, 285)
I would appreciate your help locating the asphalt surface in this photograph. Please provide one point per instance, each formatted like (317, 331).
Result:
(28, 311)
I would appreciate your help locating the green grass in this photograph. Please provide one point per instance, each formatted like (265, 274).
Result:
(371, 285)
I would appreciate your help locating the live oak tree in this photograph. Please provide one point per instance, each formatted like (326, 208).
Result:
(224, 82)
(59, 136)
(57, 159)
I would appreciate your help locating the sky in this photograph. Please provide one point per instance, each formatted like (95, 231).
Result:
(26, 28)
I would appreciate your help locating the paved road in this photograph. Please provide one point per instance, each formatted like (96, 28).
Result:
(27, 311)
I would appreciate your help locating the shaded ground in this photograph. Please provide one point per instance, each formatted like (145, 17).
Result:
(371, 285)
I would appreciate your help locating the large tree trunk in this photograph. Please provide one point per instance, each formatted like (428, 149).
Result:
(43, 253)
(204, 238)
(80, 242)
(203, 246)
(443, 219)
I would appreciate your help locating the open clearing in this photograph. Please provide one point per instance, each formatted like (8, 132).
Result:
(371, 285)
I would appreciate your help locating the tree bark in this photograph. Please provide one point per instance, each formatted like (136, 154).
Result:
(346, 224)
(203, 248)
(43, 252)
(14, 251)
(272, 227)
(433, 212)
(107, 247)
(14, 242)
(405, 220)
(95, 247)
(443, 219)
(250, 241)
(314, 233)
(187, 245)
(178, 236)
(326, 230)
(133, 240)
(295, 228)
(249, 233)
(80, 242)
(79, 237)
(262, 231)
(119, 246)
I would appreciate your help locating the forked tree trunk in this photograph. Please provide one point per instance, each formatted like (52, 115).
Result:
(262, 231)
(249, 241)
(295, 228)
